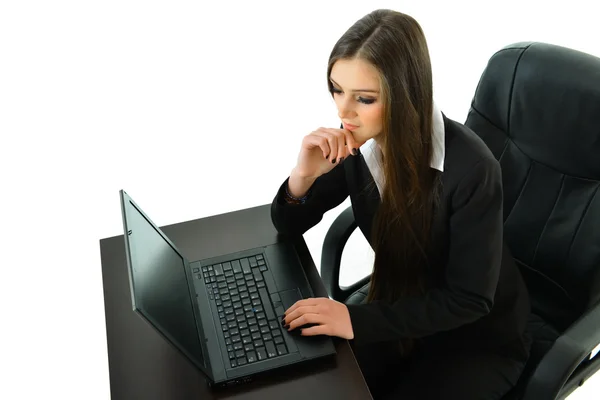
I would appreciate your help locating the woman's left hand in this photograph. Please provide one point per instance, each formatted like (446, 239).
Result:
(331, 317)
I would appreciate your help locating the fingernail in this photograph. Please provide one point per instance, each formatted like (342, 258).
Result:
(327, 156)
(341, 159)
(333, 161)
(283, 322)
(354, 152)
(287, 326)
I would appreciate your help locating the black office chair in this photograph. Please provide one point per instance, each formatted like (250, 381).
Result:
(537, 106)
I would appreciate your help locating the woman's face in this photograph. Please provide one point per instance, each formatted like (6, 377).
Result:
(356, 95)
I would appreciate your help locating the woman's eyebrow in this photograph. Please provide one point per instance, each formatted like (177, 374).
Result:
(356, 90)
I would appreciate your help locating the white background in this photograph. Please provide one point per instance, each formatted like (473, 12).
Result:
(196, 109)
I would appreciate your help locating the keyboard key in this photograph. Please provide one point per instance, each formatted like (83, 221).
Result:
(276, 332)
(281, 350)
(238, 346)
(236, 339)
(239, 312)
(256, 336)
(230, 318)
(252, 321)
(259, 343)
(245, 295)
(221, 278)
(229, 280)
(254, 328)
(246, 301)
(262, 268)
(228, 310)
(267, 336)
(240, 319)
(265, 329)
(251, 283)
(240, 353)
(232, 325)
(251, 357)
(196, 270)
(218, 269)
(273, 324)
(234, 298)
(267, 303)
(240, 282)
(261, 353)
(237, 304)
(245, 332)
(233, 364)
(253, 289)
(260, 285)
(279, 340)
(246, 340)
(259, 257)
(234, 331)
(237, 268)
(226, 266)
(262, 322)
(254, 296)
(242, 361)
(260, 315)
(271, 352)
(253, 262)
(228, 342)
(256, 302)
(248, 347)
(245, 266)
(243, 325)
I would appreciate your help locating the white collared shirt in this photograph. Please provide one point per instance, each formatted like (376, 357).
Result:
(373, 156)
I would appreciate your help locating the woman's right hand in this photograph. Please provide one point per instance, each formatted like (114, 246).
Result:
(324, 149)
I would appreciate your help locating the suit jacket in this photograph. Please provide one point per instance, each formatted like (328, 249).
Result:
(478, 298)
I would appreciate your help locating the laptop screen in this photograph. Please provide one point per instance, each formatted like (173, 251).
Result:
(159, 283)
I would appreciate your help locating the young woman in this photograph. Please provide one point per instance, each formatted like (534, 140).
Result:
(446, 308)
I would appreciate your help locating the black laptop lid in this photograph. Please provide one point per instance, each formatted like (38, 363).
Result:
(159, 277)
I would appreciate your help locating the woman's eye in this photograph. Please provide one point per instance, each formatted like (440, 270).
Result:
(360, 99)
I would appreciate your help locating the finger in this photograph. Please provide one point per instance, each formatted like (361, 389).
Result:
(333, 143)
(314, 140)
(300, 303)
(298, 312)
(315, 330)
(349, 141)
(304, 319)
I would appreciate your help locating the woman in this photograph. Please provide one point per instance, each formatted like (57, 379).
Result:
(446, 307)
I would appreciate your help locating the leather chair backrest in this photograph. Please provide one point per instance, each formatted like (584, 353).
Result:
(537, 106)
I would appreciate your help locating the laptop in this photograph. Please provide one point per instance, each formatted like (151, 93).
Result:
(222, 313)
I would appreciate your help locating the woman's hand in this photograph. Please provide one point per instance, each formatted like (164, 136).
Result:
(322, 150)
(331, 317)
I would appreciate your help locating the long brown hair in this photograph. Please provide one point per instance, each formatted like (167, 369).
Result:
(395, 45)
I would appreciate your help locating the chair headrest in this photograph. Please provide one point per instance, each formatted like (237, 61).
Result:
(546, 98)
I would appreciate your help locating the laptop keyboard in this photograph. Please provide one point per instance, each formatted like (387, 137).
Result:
(251, 329)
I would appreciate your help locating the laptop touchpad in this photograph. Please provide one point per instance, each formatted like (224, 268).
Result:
(289, 297)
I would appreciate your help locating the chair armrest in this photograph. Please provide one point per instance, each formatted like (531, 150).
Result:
(569, 351)
(331, 255)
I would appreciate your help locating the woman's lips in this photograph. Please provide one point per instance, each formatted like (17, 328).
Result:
(350, 127)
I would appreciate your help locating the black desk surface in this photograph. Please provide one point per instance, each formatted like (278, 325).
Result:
(144, 366)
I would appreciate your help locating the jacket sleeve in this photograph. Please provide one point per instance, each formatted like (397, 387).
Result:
(328, 191)
(471, 274)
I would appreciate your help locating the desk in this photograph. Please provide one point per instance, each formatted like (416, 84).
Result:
(144, 366)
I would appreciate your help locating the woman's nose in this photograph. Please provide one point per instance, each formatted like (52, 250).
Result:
(345, 112)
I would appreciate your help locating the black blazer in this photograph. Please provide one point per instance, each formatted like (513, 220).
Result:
(478, 298)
